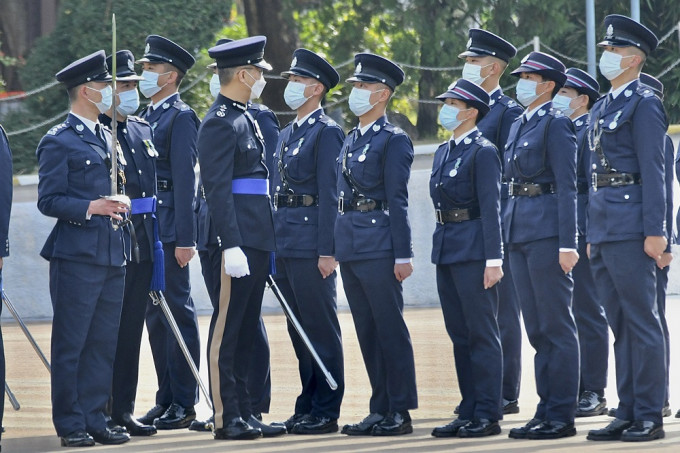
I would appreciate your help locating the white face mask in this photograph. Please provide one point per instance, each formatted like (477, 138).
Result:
(107, 98)
(360, 100)
(526, 91)
(610, 65)
(215, 85)
(473, 73)
(149, 86)
(258, 86)
(128, 102)
(448, 117)
(294, 94)
(563, 103)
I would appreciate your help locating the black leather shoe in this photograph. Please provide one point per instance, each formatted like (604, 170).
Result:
(591, 404)
(77, 439)
(610, 432)
(521, 432)
(237, 429)
(451, 429)
(456, 411)
(641, 431)
(134, 428)
(666, 411)
(176, 417)
(293, 420)
(394, 424)
(510, 407)
(272, 430)
(480, 428)
(107, 437)
(204, 426)
(155, 412)
(316, 425)
(114, 427)
(612, 412)
(677, 414)
(364, 427)
(551, 430)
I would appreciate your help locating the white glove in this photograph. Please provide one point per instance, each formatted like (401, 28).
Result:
(235, 262)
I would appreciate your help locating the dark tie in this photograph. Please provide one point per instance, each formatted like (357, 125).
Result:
(100, 135)
(295, 126)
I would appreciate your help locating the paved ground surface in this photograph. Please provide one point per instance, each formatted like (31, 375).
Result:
(30, 429)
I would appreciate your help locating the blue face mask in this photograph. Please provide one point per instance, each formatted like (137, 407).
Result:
(294, 94)
(107, 98)
(215, 85)
(149, 86)
(128, 102)
(448, 117)
(526, 91)
(360, 100)
(561, 102)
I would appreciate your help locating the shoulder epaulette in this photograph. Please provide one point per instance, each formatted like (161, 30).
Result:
(391, 128)
(59, 128)
(644, 91)
(137, 119)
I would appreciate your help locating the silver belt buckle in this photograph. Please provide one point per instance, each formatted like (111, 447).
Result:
(593, 181)
(438, 216)
(341, 205)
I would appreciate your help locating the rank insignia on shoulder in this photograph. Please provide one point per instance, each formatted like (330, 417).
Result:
(220, 113)
(150, 149)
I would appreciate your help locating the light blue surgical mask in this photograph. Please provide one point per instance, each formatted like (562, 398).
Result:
(107, 98)
(561, 102)
(610, 65)
(473, 73)
(360, 100)
(526, 91)
(128, 102)
(215, 85)
(448, 117)
(149, 86)
(294, 94)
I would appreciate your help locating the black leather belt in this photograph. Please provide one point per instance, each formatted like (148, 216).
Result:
(529, 189)
(615, 179)
(582, 187)
(456, 215)
(361, 204)
(295, 201)
(164, 185)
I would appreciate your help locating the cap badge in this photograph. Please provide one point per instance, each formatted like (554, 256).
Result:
(147, 48)
(294, 62)
(358, 70)
(131, 65)
(469, 43)
(610, 32)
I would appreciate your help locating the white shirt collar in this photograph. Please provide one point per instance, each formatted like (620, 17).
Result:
(497, 89)
(457, 140)
(530, 113)
(88, 123)
(301, 121)
(582, 117)
(615, 93)
(154, 106)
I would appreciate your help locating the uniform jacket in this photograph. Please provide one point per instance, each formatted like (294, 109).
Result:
(495, 126)
(464, 176)
(542, 151)
(135, 137)
(306, 159)
(383, 175)
(582, 172)
(6, 188)
(73, 173)
(230, 147)
(633, 128)
(176, 165)
(269, 126)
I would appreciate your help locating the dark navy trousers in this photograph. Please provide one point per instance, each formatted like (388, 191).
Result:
(626, 283)
(545, 293)
(470, 318)
(661, 285)
(510, 325)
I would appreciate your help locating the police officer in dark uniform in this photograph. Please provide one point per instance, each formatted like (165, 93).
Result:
(627, 227)
(135, 138)
(259, 380)
(306, 206)
(175, 127)
(373, 245)
(540, 230)
(468, 252)
(6, 189)
(575, 99)
(486, 58)
(87, 255)
(235, 179)
(662, 267)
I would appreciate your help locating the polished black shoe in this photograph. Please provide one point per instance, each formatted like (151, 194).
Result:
(551, 430)
(521, 432)
(610, 432)
(133, 427)
(364, 427)
(202, 425)
(293, 420)
(316, 425)
(510, 407)
(77, 439)
(451, 429)
(677, 414)
(107, 437)
(155, 412)
(666, 411)
(394, 424)
(273, 430)
(612, 412)
(641, 431)
(591, 404)
(115, 427)
(456, 411)
(176, 417)
(237, 429)
(480, 428)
